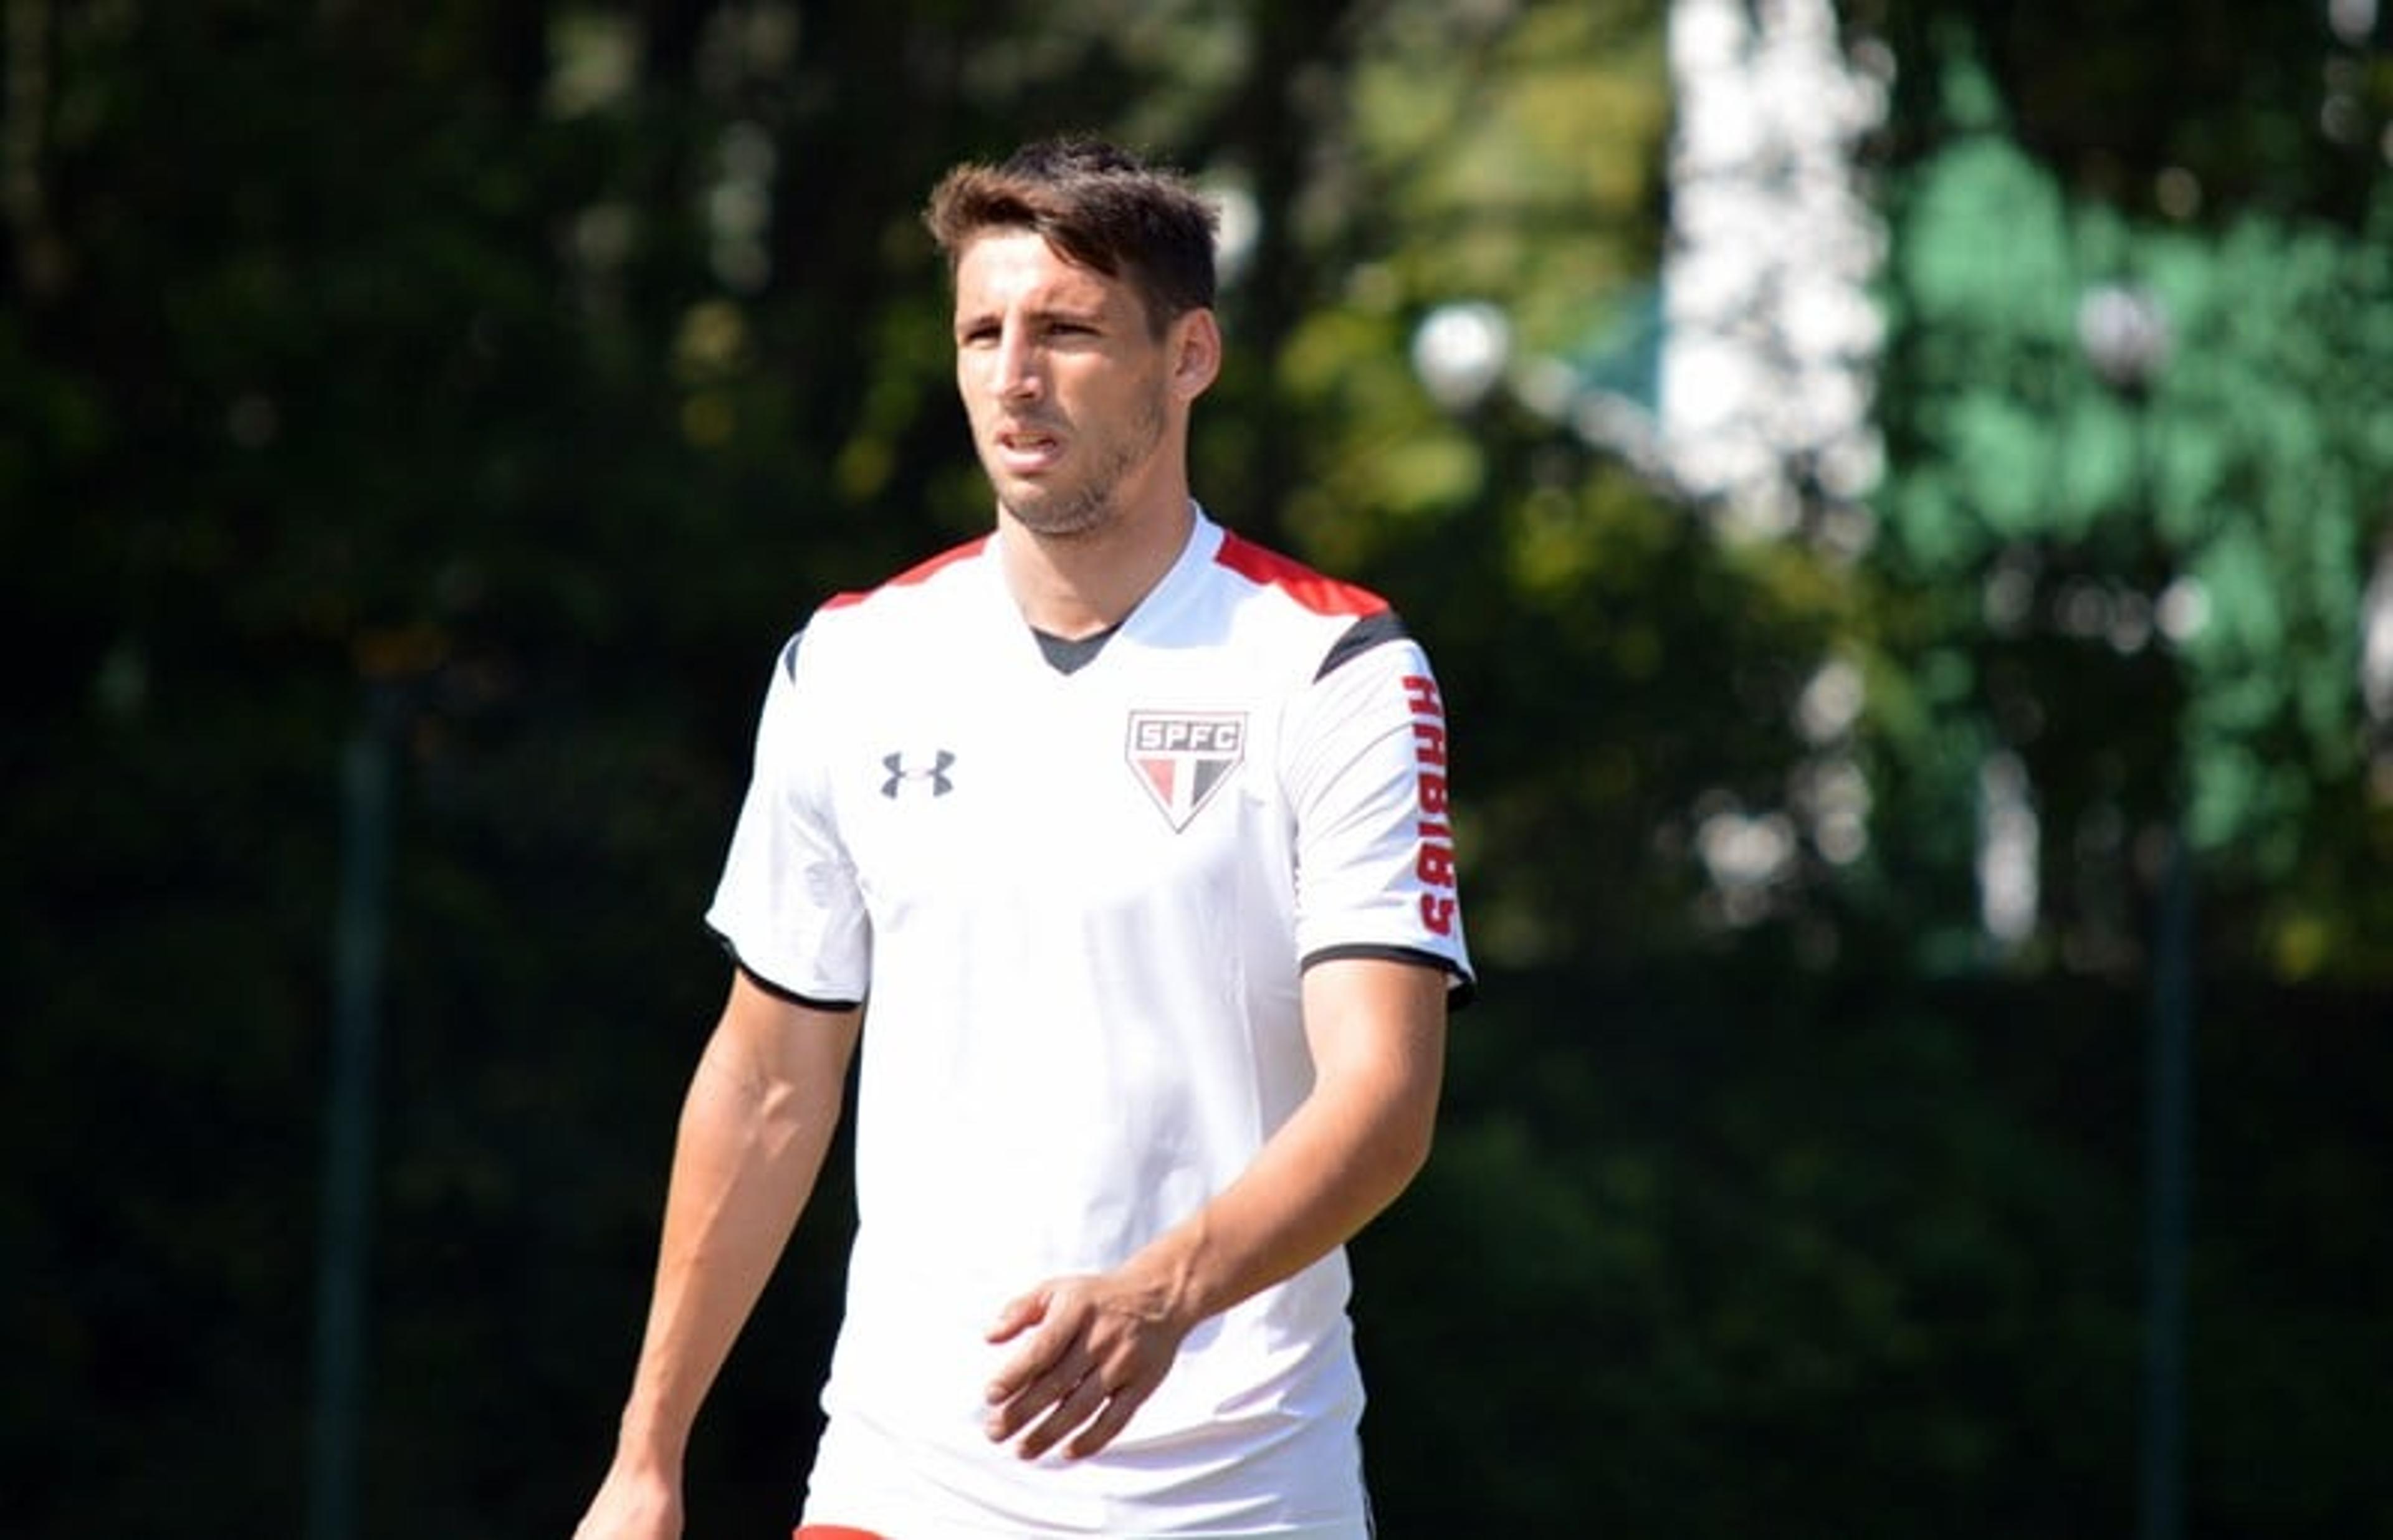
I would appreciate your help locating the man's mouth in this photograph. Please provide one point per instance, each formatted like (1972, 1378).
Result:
(1025, 450)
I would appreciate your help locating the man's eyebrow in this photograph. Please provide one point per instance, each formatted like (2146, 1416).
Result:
(1084, 315)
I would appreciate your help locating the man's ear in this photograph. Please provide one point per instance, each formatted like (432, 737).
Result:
(1196, 341)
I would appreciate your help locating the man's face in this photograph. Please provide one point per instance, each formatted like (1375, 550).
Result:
(1069, 394)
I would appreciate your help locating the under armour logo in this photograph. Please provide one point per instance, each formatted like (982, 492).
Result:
(936, 774)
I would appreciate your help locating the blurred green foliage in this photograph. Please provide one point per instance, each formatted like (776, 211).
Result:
(2155, 590)
(537, 365)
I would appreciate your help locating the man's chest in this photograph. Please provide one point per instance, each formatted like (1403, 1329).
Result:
(988, 782)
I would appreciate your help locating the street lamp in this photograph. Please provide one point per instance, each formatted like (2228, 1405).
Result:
(2125, 330)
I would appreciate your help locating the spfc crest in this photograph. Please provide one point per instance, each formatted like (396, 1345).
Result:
(1183, 757)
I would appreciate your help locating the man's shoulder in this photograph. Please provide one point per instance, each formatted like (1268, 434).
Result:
(1291, 581)
(865, 627)
(1310, 625)
(919, 580)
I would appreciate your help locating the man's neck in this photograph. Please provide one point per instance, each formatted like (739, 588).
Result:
(1078, 585)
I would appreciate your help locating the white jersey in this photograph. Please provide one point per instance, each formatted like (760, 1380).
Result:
(1077, 907)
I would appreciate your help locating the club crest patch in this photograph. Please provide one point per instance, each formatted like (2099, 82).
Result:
(1184, 757)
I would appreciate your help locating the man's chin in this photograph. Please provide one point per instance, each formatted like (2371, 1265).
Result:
(1055, 518)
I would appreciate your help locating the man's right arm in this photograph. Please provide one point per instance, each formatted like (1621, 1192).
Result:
(754, 1129)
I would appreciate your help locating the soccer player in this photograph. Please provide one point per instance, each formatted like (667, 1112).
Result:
(1121, 846)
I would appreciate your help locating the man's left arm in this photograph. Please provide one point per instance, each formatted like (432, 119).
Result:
(1094, 1347)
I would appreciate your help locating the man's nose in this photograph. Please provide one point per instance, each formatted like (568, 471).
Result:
(1016, 364)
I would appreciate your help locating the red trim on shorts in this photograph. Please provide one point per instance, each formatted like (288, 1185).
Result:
(833, 1532)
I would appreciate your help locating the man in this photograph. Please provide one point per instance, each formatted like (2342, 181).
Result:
(1130, 840)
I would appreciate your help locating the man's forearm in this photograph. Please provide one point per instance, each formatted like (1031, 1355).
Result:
(1343, 1157)
(754, 1129)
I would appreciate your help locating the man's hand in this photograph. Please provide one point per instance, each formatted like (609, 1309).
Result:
(633, 1504)
(1096, 1348)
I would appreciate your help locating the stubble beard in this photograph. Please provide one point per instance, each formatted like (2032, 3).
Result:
(1068, 513)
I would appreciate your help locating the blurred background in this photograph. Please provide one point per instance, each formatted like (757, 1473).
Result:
(1900, 496)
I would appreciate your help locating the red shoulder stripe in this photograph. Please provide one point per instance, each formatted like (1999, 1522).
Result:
(1320, 594)
(911, 574)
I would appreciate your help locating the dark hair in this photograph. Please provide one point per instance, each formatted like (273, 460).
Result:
(1098, 206)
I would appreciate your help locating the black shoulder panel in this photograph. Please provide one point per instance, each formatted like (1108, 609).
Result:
(1360, 638)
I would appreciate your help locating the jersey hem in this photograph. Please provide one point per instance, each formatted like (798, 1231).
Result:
(1462, 989)
(779, 991)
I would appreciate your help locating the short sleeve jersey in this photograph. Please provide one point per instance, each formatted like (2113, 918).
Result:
(1078, 908)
